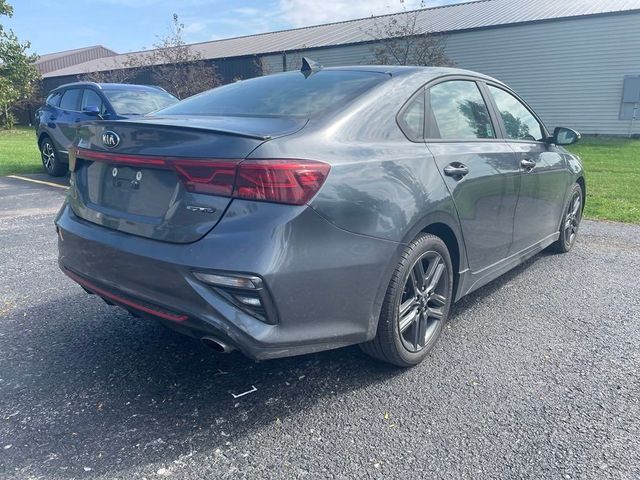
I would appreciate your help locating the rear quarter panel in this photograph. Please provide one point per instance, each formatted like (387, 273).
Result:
(380, 184)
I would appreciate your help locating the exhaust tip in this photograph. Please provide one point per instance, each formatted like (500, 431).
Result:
(217, 345)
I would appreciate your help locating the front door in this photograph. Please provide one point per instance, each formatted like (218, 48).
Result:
(480, 170)
(544, 174)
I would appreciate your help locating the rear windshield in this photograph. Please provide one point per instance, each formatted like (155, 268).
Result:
(139, 102)
(287, 94)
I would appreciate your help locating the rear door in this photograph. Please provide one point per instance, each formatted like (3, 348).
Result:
(543, 171)
(479, 168)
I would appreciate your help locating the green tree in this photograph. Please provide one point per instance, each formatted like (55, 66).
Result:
(18, 75)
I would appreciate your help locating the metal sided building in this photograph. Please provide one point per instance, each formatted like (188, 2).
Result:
(577, 62)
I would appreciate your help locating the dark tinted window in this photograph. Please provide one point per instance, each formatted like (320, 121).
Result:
(519, 122)
(458, 112)
(70, 99)
(54, 99)
(139, 102)
(411, 118)
(287, 94)
(91, 99)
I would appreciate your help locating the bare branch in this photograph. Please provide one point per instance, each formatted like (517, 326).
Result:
(400, 40)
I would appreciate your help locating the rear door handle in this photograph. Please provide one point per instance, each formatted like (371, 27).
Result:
(456, 170)
(527, 164)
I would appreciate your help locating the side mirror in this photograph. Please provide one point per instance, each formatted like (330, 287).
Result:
(565, 136)
(91, 110)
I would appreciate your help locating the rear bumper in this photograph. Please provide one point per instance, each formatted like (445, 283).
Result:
(326, 284)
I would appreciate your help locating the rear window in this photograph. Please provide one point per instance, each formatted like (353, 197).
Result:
(287, 94)
(138, 102)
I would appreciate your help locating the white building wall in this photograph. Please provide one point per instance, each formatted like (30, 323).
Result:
(571, 71)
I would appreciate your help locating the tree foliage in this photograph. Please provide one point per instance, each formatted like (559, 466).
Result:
(399, 40)
(18, 75)
(171, 64)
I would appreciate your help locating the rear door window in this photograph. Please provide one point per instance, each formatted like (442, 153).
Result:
(519, 122)
(457, 111)
(70, 99)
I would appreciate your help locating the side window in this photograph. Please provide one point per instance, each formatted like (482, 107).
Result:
(70, 99)
(91, 98)
(519, 122)
(54, 99)
(411, 118)
(458, 112)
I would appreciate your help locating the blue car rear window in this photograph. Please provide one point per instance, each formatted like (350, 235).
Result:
(287, 94)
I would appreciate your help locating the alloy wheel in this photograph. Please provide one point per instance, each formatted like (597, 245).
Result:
(48, 155)
(572, 219)
(423, 301)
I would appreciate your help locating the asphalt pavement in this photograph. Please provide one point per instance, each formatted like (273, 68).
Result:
(535, 376)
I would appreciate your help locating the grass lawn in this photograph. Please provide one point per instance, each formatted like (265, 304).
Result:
(612, 166)
(19, 152)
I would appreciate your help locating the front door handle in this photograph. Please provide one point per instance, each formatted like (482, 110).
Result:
(456, 170)
(527, 164)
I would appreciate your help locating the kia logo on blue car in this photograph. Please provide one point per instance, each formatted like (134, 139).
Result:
(110, 139)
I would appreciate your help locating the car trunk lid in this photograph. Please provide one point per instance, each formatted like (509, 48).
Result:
(164, 178)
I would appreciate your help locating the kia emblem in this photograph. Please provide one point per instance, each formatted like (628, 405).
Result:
(110, 139)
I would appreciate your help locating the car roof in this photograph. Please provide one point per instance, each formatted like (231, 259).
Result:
(109, 86)
(408, 70)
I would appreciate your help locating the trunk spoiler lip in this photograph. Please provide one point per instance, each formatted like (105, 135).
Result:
(226, 131)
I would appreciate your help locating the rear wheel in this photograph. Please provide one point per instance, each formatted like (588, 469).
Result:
(51, 159)
(416, 304)
(570, 221)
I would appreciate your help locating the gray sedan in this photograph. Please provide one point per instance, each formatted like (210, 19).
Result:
(320, 208)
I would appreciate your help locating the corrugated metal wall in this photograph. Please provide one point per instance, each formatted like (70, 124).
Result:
(570, 71)
(45, 65)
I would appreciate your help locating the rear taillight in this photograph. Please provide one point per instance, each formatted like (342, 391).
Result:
(289, 181)
(282, 181)
(203, 176)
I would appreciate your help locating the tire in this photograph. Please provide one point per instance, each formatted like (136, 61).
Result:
(50, 158)
(571, 218)
(406, 339)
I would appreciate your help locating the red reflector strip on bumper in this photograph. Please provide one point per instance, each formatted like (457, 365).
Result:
(124, 301)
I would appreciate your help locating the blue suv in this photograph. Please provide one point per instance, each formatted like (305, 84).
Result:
(73, 103)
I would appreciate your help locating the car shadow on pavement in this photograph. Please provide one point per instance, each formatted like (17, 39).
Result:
(88, 386)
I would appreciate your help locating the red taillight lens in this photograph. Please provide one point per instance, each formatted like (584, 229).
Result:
(203, 176)
(282, 181)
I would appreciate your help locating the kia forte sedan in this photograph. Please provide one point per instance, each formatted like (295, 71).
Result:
(315, 209)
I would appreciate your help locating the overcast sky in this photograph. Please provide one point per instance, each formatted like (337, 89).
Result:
(129, 25)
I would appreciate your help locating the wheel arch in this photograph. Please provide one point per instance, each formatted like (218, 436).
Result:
(41, 137)
(444, 226)
(583, 185)
(448, 236)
